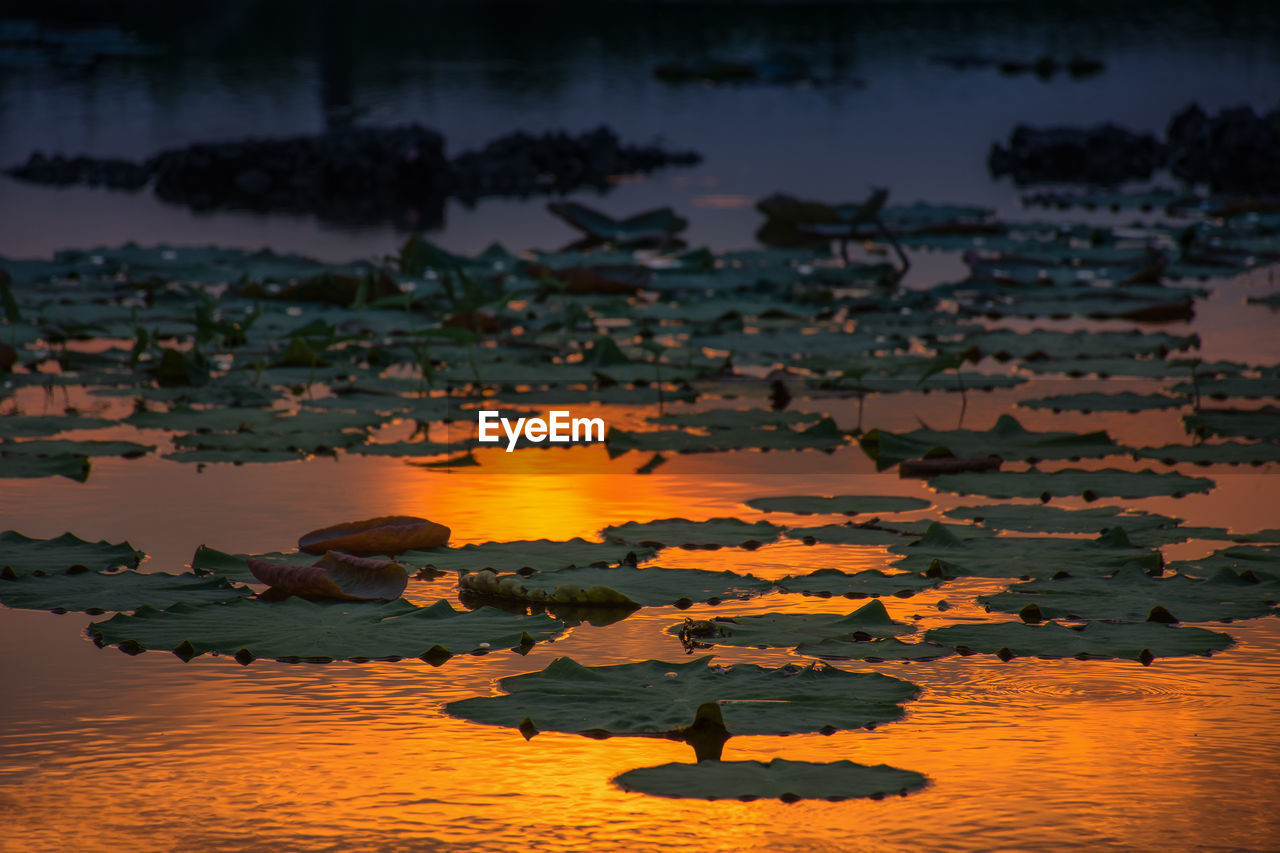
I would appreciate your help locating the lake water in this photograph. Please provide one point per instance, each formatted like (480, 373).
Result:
(99, 750)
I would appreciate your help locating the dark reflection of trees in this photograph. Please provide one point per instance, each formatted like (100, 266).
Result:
(553, 37)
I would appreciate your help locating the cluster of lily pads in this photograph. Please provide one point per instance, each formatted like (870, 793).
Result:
(1105, 597)
(230, 356)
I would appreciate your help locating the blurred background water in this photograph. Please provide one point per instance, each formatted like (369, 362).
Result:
(877, 109)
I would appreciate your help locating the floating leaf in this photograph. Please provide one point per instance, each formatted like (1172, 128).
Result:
(337, 576)
(1248, 423)
(233, 567)
(659, 698)
(23, 466)
(1225, 453)
(128, 590)
(874, 650)
(1130, 595)
(297, 629)
(785, 630)
(388, 534)
(22, 555)
(1262, 561)
(779, 779)
(620, 586)
(1007, 439)
(545, 555)
(1017, 556)
(846, 534)
(24, 426)
(1125, 401)
(824, 435)
(872, 582)
(713, 533)
(1140, 641)
(1070, 482)
(736, 418)
(843, 504)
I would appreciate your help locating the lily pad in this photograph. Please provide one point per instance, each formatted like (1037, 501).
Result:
(842, 504)
(1125, 401)
(1247, 423)
(234, 567)
(544, 555)
(62, 447)
(299, 630)
(335, 576)
(779, 779)
(874, 650)
(1018, 556)
(1262, 561)
(786, 630)
(736, 418)
(24, 426)
(620, 586)
(1041, 518)
(128, 590)
(713, 533)
(846, 534)
(23, 466)
(872, 582)
(1070, 482)
(1140, 641)
(1224, 453)
(1007, 438)
(823, 435)
(660, 698)
(22, 555)
(1131, 595)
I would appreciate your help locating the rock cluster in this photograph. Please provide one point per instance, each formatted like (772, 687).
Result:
(1233, 151)
(360, 175)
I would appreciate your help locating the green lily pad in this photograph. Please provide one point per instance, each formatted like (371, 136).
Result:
(846, 534)
(1140, 641)
(1263, 561)
(1070, 482)
(296, 629)
(1224, 453)
(620, 586)
(1131, 594)
(545, 555)
(25, 467)
(823, 435)
(713, 533)
(128, 590)
(659, 698)
(779, 779)
(872, 582)
(875, 650)
(26, 426)
(1246, 423)
(1049, 343)
(1225, 387)
(1007, 439)
(1041, 518)
(61, 447)
(785, 630)
(22, 555)
(736, 418)
(842, 504)
(1018, 556)
(1125, 401)
(1145, 368)
(233, 567)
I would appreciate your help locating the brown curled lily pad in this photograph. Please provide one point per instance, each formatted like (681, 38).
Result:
(780, 779)
(335, 575)
(388, 534)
